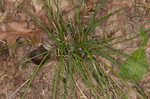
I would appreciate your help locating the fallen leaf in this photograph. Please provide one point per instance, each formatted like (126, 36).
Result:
(11, 31)
(36, 52)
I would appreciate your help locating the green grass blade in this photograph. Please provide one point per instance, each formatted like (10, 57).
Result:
(85, 75)
(59, 69)
(34, 75)
(92, 27)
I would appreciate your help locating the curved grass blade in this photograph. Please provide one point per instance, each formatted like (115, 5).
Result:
(34, 75)
(92, 27)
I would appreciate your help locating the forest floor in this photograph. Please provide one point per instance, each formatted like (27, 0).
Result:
(17, 27)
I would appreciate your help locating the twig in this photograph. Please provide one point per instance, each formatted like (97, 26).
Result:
(9, 97)
(83, 95)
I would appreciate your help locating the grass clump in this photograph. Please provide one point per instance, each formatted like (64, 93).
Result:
(78, 52)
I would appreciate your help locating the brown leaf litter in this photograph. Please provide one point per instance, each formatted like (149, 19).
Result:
(11, 31)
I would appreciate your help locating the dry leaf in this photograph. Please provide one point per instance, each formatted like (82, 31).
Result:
(37, 5)
(11, 31)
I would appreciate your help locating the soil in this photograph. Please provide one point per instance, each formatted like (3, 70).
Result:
(17, 27)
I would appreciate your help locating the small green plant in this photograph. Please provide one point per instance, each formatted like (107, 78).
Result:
(134, 70)
(77, 54)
